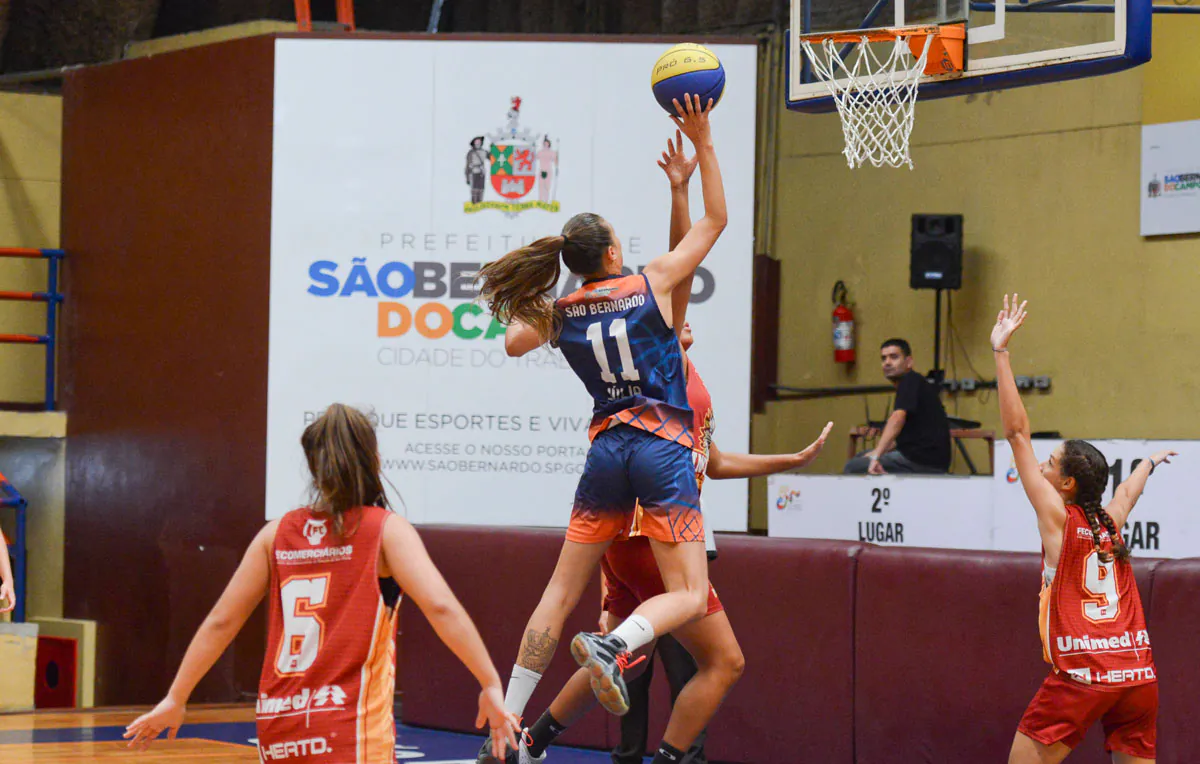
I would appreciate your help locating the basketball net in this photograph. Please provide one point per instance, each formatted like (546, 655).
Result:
(875, 95)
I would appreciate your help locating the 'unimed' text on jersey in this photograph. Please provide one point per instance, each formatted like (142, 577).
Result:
(618, 344)
(1092, 623)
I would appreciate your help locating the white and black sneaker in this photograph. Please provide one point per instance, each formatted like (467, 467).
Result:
(606, 659)
(520, 756)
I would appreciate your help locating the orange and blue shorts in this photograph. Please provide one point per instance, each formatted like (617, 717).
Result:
(627, 466)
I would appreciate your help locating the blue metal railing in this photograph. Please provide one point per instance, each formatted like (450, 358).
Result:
(11, 497)
(51, 297)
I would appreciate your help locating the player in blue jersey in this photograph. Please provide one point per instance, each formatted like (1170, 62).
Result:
(619, 336)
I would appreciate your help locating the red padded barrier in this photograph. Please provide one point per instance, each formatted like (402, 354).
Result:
(853, 653)
(791, 705)
(498, 575)
(1174, 621)
(791, 604)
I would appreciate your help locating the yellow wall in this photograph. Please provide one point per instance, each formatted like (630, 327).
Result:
(1048, 179)
(1170, 92)
(30, 179)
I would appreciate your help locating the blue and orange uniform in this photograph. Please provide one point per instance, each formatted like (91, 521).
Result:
(619, 345)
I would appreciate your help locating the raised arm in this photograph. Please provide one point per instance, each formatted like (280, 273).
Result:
(245, 590)
(1051, 512)
(679, 169)
(1130, 490)
(667, 271)
(722, 466)
(407, 561)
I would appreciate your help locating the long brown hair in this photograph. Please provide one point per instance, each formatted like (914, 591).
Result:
(1084, 462)
(343, 459)
(518, 286)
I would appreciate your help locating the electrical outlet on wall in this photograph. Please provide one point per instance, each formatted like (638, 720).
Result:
(1041, 382)
(1024, 383)
(968, 385)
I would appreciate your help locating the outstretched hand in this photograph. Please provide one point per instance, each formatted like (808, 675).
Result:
(1007, 322)
(1163, 457)
(693, 120)
(167, 715)
(805, 457)
(675, 163)
(7, 596)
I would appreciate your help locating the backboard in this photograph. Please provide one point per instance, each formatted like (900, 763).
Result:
(1008, 44)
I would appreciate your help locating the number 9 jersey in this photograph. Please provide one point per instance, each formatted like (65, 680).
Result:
(1092, 624)
(618, 344)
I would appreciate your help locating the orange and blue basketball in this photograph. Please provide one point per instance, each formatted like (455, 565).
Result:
(687, 68)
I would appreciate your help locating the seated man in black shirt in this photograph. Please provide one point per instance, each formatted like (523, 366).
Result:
(917, 427)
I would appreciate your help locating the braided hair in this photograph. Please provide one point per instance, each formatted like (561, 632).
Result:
(1084, 462)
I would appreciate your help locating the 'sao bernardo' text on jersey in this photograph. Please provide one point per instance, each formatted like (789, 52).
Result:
(617, 342)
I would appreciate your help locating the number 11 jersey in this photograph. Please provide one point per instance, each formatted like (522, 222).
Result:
(329, 675)
(618, 344)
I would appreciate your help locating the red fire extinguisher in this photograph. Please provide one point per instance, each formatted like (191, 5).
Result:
(843, 326)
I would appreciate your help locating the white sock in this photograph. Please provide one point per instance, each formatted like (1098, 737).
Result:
(521, 685)
(635, 631)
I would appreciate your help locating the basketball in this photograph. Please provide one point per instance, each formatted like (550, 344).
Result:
(687, 68)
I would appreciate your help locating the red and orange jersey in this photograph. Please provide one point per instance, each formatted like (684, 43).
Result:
(1092, 624)
(700, 402)
(328, 679)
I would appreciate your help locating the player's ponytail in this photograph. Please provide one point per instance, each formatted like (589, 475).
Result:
(343, 459)
(1084, 462)
(520, 285)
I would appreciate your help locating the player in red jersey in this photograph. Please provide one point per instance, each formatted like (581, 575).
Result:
(1093, 629)
(335, 572)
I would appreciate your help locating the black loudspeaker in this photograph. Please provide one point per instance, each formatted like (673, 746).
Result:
(936, 252)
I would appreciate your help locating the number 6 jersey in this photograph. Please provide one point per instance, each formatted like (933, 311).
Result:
(1092, 624)
(329, 674)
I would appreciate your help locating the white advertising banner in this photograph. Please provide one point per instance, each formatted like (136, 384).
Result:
(985, 513)
(401, 166)
(1164, 522)
(1171, 178)
(946, 512)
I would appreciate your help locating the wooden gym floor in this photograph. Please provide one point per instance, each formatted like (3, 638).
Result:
(212, 734)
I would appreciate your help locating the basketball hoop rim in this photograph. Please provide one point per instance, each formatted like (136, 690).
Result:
(953, 30)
